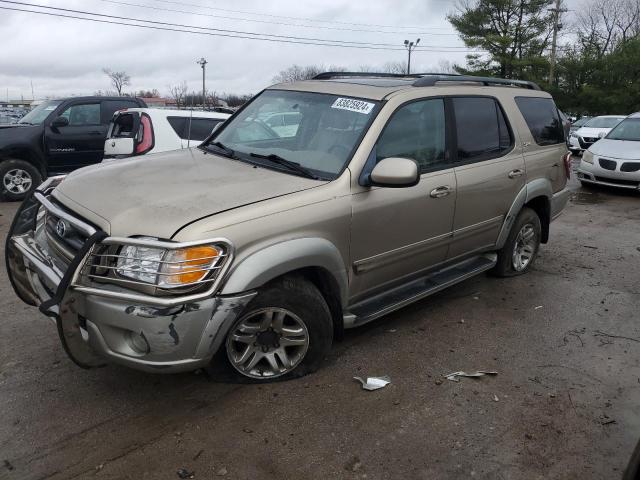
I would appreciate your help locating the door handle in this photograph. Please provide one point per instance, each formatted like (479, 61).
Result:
(440, 192)
(516, 173)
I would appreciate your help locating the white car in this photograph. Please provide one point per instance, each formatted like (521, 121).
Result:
(592, 131)
(614, 160)
(140, 131)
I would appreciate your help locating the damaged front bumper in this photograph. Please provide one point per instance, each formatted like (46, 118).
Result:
(95, 326)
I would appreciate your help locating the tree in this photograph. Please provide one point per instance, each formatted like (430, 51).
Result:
(296, 72)
(119, 80)
(514, 34)
(178, 93)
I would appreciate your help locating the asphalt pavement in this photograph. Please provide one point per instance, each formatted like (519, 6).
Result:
(564, 339)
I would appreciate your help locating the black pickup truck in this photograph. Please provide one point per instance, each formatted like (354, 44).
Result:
(56, 137)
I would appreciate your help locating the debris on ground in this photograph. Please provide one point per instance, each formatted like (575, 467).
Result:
(538, 307)
(598, 333)
(495, 398)
(221, 472)
(590, 246)
(374, 383)
(8, 465)
(197, 455)
(184, 473)
(454, 376)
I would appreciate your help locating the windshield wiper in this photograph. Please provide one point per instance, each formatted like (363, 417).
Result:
(293, 166)
(226, 151)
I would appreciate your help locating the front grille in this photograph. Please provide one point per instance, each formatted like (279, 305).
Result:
(618, 181)
(630, 167)
(62, 237)
(590, 139)
(607, 164)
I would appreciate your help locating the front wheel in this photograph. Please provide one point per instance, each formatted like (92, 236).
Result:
(522, 245)
(18, 179)
(285, 332)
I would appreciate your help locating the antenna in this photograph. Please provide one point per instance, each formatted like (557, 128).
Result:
(189, 134)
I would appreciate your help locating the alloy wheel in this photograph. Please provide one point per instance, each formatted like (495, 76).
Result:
(524, 247)
(267, 343)
(17, 181)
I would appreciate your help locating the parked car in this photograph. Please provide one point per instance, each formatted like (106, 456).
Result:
(58, 136)
(579, 123)
(614, 160)
(592, 131)
(139, 131)
(251, 253)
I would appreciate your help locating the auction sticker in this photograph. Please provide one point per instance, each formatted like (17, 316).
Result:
(353, 105)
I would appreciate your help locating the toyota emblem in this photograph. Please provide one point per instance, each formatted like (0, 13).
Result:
(61, 228)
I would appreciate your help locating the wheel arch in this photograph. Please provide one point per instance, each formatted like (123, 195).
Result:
(25, 154)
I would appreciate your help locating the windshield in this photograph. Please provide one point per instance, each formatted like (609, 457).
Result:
(602, 122)
(628, 129)
(318, 132)
(38, 114)
(581, 122)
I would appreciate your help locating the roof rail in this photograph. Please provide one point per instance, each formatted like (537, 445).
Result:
(330, 75)
(431, 80)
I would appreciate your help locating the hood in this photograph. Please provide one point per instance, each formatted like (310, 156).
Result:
(156, 195)
(621, 149)
(591, 132)
(14, 134)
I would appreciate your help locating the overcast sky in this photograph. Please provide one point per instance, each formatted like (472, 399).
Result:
(66, 56)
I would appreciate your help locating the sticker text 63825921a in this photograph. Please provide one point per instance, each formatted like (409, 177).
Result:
(353, 105)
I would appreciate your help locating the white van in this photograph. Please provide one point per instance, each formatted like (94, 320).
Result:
(140, 131)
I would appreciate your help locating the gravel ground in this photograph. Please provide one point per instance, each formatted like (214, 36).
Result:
(564, 339)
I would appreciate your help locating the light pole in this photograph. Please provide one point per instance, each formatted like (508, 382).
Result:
(203, 64)
(410, 46)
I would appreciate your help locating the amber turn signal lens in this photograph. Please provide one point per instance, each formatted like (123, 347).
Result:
(189, 265)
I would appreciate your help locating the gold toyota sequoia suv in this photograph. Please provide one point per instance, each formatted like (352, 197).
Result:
(320, 205)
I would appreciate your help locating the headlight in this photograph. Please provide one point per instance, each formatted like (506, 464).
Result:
(168, 268)
(587, 156)
(573, 135)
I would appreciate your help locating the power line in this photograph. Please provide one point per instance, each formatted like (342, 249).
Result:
(261, 14)
(234, 32)
(271, 22)
(152, 27)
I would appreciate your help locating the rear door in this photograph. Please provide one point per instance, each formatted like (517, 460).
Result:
(78, 144)
(489, 170)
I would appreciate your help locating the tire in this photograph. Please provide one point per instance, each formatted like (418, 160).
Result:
(526, 223)
(17, 179)
(290, 309)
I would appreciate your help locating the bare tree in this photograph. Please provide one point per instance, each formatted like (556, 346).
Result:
(395, 67)
(605, 24)
(297, 72)
(119, 80)
(178, 93)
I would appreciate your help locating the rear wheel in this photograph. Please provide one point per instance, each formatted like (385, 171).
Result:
(18, 178)
(522, 245)
(285, 332)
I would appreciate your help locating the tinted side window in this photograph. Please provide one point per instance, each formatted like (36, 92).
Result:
(123, 126)
(481, 128)
(416, 131)
(542, 119)
(81, 115)
(179, 125)
(109, 107)
(201, 128)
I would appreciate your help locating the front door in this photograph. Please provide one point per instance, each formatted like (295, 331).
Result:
(397, 232)
(78, 144)
(489, 170)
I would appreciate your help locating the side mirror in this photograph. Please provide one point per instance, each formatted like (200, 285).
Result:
(60, 122)
(395, 172)
(118, 146)
(602, 134)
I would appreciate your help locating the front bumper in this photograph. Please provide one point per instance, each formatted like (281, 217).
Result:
(94, 327)
(613, 176)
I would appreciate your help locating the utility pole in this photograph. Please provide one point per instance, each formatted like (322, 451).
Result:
(203, 64)
(410, 46)
(556, 26)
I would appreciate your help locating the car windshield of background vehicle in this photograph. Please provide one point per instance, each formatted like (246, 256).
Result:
(316, 131)
(38, 114)
(628, 129)
(602, 122)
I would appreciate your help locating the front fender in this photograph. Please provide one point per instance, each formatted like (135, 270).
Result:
(288, 256)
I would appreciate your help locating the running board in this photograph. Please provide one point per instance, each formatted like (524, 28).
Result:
(387, 302)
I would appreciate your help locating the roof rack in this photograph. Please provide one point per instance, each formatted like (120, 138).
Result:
(431, 80)
(330, 75)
